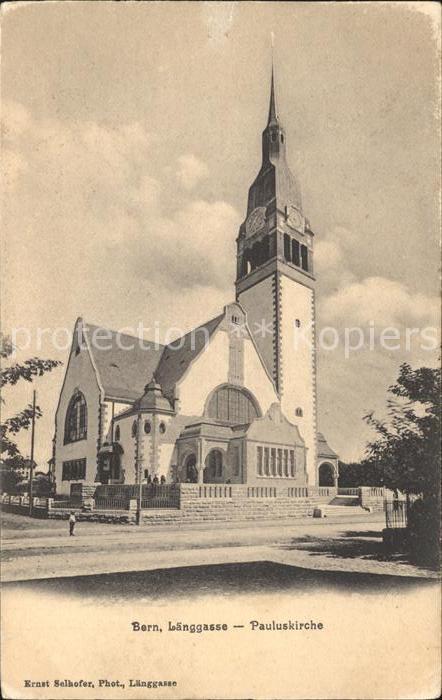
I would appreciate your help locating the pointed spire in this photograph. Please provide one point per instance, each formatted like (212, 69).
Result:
(273, 114)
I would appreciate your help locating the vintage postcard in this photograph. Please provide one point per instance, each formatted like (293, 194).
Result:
(220, 416)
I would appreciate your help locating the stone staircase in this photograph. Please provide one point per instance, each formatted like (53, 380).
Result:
(347, 506)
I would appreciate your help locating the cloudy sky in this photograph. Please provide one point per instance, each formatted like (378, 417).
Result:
(132, 131)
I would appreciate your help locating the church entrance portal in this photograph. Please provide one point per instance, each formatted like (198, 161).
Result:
(213, 471)
(326, 475)
(191, 473)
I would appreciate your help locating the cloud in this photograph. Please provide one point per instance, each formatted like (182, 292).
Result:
(350, 385)
(192, 248)
(383, 301)
(103, 191)
(191, 170)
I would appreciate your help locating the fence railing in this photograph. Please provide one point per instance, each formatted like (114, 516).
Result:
(112, 503)
(396, 514)
(348, 491)
(160, 496)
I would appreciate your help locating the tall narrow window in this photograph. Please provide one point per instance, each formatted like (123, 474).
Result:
(286, 463)
(292, 463)
(273, 461)
(76, 419)
(287, 251)
(266, 461)
(279, 462)
(304, 257)
(259, 460)
(295, 252)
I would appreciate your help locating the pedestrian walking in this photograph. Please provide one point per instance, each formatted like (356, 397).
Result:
(72, 521)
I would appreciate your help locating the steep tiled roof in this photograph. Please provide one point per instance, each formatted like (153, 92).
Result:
(177, 356)
(122, 372)
(324, 450)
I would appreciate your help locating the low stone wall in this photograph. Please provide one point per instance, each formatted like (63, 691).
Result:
(198, 503)
(235, 502)
(372, 497)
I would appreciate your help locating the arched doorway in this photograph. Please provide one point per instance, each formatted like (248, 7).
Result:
(110, 469)
(190, 470)
(326, 474)
(213, 470)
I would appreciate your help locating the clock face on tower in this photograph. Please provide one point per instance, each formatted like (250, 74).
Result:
(255, 220)
(295, 219)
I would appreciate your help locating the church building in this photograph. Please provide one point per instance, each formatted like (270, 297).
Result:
(234, 400)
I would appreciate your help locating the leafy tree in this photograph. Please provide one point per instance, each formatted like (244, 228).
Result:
(408, 450)
(364, 473)
(407, 446)
(9, 477)
(10, 375)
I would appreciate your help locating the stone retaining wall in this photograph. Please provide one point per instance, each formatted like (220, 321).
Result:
(240, 502)
(372, 497)
(210, 502)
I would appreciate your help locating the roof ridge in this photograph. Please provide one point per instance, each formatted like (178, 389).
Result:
(192, 330)
(126, 335)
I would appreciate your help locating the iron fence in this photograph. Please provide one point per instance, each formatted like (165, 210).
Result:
(396, 514)
(160, 496)
(112, 503)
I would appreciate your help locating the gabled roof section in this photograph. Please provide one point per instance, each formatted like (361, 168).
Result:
(124, 362)
(179, 355)
(274, 427)
(324, 449)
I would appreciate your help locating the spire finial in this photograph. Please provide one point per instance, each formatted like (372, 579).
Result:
(273, 115)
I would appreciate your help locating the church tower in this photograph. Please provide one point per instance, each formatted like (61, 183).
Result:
(275, 283)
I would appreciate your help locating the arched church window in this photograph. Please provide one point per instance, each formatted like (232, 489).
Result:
(147, 427)
(134, 429)
(162, 428)
(231, 404)
(273, 136)
(299, 412)
(76, 419)
(117, 433)
(298, 323)
(282, 138)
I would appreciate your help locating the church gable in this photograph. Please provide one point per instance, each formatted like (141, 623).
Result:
(274, 427)
(178, 356)
(227, 355)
